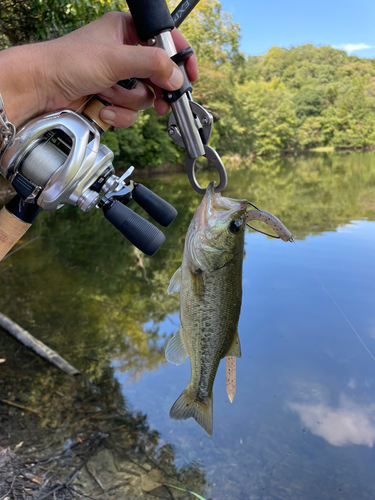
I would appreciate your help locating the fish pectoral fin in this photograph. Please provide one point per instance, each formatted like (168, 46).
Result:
(175, 283)
(235, 348)
(176, 351)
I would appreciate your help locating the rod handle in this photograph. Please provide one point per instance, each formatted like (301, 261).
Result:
(92, 111)
(11, 230)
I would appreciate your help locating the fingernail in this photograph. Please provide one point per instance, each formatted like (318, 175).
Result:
(107, 93)
(108, 115)
(176, 80)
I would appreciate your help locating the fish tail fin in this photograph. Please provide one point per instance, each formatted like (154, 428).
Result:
(186, 406)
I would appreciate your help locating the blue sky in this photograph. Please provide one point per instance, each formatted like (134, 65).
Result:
(344, 24)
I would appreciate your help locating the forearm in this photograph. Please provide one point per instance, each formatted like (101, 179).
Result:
(22, 81)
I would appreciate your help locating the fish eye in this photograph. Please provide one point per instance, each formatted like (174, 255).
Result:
(235, 226)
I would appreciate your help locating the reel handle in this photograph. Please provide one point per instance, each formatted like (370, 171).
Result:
(160, 210)
(141, 233)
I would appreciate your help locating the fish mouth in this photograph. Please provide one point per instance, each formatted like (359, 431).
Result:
(206, 208)
(217, 206)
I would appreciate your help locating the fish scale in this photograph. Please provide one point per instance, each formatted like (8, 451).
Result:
(214, 325)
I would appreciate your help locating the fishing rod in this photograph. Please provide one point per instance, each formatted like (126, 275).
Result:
(182, 10)
(57, 159)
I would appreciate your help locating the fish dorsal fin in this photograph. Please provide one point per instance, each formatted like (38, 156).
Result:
(176, 351)
(235, 348)
(175, 283)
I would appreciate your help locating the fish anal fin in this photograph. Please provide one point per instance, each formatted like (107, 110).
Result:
(175, 283)
(186, 406)
(235, 348)
(176, 351)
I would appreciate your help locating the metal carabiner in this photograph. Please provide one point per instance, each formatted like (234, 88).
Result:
(203, 121)
(215, 159)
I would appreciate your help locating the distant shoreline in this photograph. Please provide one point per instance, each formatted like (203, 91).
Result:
(235, 160)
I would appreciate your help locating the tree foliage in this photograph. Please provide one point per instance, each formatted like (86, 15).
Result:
(287, 99)
(25, 21)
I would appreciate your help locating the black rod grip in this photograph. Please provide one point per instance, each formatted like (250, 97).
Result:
(160, 210)
(141, 233)
(150, 17)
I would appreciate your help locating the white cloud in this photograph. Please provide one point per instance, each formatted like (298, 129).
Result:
(353, 47)
(352, 383)
(347, 424)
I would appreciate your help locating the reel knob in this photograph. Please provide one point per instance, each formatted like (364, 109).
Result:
(137, 230)
(160, 210)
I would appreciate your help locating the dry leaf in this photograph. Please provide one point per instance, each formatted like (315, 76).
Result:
(37, 480)
(152, 480)
(18, 446)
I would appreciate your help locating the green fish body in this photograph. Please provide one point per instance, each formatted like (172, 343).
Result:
(210, 285)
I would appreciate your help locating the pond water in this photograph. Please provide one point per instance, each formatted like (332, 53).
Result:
(302, 423)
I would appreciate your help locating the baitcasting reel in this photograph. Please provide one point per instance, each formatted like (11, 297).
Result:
(57, 160)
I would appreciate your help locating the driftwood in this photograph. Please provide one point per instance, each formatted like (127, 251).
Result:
(36, 345)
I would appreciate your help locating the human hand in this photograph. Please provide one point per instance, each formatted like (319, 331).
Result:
(61, 73)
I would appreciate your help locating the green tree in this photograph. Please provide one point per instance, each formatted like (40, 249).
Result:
(25, 21)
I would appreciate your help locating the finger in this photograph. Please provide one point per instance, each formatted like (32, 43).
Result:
(119, 117)
(161, 107)
(191, 63)
(139, 98)
(142, 62)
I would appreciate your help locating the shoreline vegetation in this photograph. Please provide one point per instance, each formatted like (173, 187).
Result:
(287, 101)
(235, 161)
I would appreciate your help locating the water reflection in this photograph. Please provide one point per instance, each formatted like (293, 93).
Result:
(348, 423)
(100, 304)
(81, 420)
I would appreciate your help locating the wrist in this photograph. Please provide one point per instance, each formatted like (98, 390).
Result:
(21, 82)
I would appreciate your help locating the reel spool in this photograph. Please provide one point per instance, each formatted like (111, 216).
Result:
(57, 160)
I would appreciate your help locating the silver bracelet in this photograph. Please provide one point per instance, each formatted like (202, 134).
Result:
(7, 129)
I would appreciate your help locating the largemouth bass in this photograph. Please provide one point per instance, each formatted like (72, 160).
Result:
(210, 285)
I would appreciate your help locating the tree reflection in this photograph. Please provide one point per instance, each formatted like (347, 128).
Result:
(94, 298)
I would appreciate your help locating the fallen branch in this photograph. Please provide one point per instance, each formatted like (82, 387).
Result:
(96, 479)
(11, 488)
(36, 345)
(21, 407)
